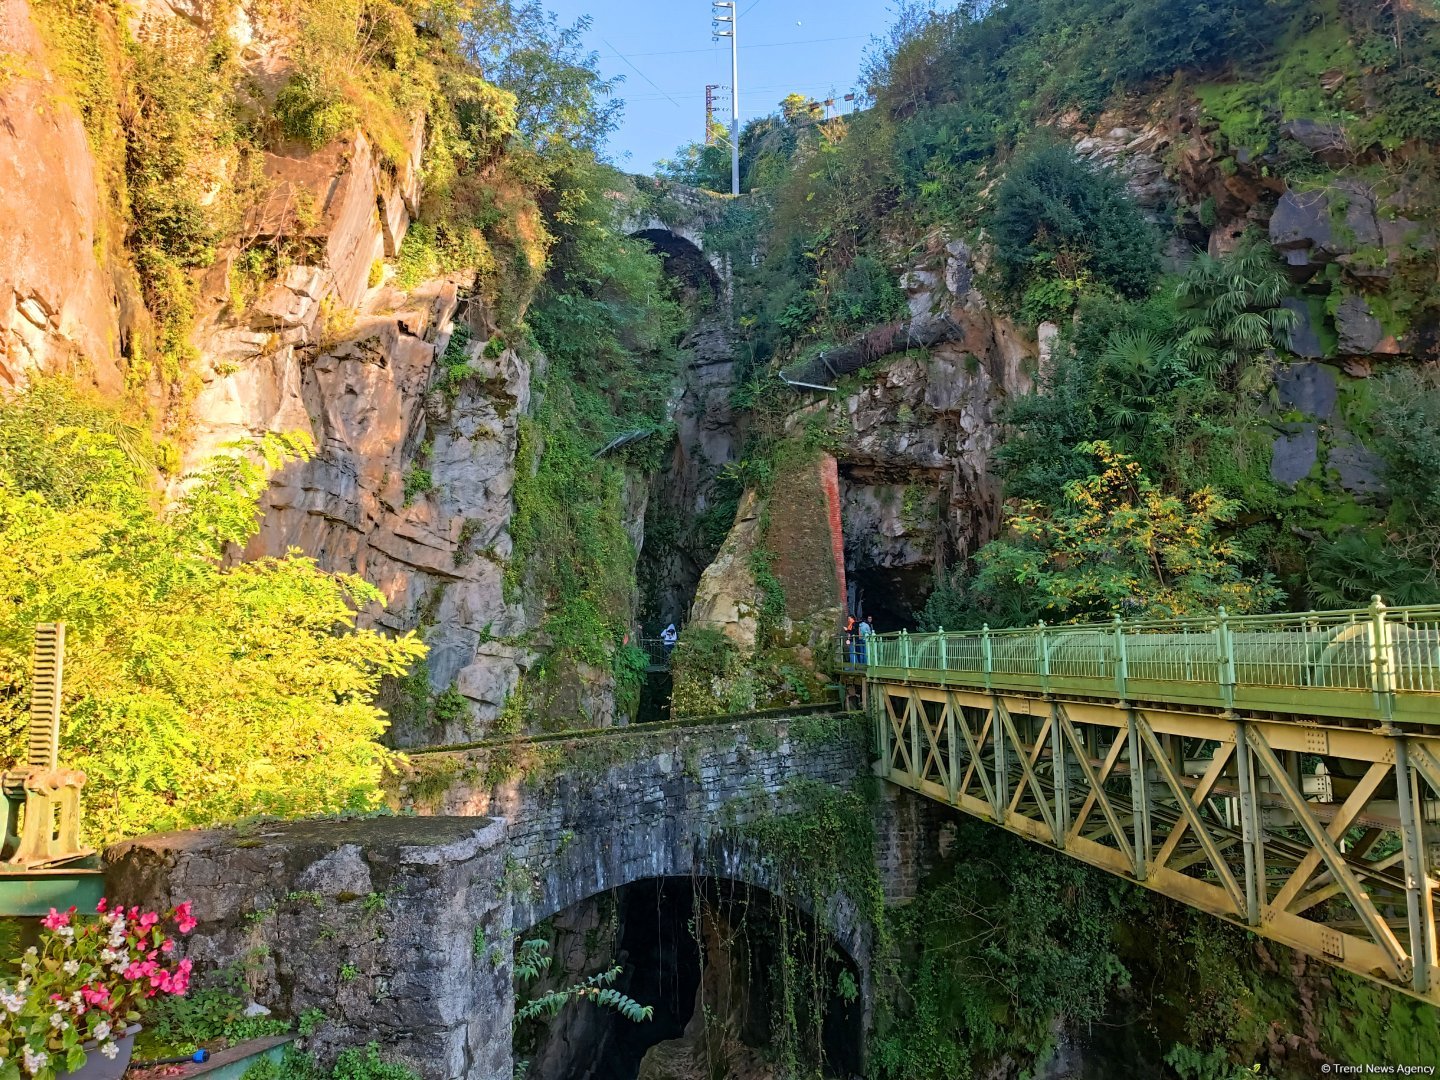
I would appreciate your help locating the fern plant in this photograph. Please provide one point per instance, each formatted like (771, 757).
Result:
(1230, 309)
(533, 960)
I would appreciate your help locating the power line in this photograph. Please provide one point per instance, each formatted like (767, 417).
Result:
(637, 71)
(752, 7)
(756, 89)
(765, 45)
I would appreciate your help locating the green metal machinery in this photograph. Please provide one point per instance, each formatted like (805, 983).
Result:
(43, 863)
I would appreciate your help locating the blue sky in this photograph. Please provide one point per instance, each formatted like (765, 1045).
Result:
(812, 47)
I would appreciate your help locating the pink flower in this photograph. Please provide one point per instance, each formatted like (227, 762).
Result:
(100, 907)
(55, 920)
(168, 946)
(96, 995)
(184, 919)
(148, 920)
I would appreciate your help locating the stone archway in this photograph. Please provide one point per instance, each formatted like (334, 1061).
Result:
(702, 953)
(684, 259)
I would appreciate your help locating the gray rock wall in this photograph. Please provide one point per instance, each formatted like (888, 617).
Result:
(384, 925)
(400, 930)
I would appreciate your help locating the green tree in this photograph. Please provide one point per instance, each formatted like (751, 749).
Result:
(198, 689)
(1058, 218)
(1120, 546)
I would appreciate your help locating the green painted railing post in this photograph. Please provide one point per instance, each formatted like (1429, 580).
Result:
(1225, 644)
(1044, 659)
(944, 666)
(986, 653)
(1382, 660)
(1121, 675)
(905, 650)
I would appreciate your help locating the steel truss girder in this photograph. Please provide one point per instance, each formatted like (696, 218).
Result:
(1111, 784)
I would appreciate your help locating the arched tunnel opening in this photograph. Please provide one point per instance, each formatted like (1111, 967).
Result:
(720, 963)
(686, 264)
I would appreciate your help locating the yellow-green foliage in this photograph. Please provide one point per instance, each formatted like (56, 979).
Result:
(195, 692)
(177, 128)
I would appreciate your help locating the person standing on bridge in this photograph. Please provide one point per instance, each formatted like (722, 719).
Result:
(850, 638)
(865, 631)
(668, 637)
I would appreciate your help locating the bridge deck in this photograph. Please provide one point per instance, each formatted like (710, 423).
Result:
(1280, 772)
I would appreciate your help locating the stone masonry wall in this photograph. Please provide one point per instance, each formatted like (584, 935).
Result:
(374, 922)
(400, 930)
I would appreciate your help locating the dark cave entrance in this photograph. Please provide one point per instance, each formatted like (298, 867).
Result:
(893, 597)
(704, 953)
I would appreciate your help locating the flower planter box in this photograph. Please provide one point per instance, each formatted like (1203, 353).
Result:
(228, 1064)
(98, 1067)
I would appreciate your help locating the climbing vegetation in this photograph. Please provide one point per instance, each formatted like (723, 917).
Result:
(532, 960)
(197, 690)
(607, 322)
(1003, 945)
(820, 841)
(1061, 225)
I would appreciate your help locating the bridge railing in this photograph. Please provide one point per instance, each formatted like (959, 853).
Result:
(1374, 663)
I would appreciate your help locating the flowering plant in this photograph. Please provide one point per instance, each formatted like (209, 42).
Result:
(89, 978)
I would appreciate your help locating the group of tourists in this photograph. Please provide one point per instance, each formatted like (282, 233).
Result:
(857, 638)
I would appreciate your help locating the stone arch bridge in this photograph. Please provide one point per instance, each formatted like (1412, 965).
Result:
(674, 220)
(400, 927)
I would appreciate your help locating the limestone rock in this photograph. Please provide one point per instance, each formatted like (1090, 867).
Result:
(727, 597)
(58, 311)
(1360, 331)
(1360, 470)
(1295, 452)
(1315, 227)
(1304, 337)
(1324, 139)
(1311, 389)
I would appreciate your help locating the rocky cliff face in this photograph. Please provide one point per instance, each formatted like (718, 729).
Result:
(412, 416)
(911, 437)
(59, 301)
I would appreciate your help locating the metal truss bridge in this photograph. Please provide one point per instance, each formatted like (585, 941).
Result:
(1280, 772)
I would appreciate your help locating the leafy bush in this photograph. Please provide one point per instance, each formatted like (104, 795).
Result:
(1119, 546)
(1057, 216)
(311, 113)
(196, 690)
(1008, 939)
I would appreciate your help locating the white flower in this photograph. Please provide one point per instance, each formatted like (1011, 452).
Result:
(58, 1022)
(109, 1049)
(13, 1001)
(35, 1060)
(66, 932)
(72, 967)
(107, 956)
(102, 1031)
(23, 986)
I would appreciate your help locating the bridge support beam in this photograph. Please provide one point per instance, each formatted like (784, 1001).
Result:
(1320, 837)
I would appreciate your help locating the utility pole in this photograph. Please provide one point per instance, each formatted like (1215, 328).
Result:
(710, 89)
(722, 26)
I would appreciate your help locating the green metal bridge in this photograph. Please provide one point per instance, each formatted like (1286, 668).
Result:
(1281, 772)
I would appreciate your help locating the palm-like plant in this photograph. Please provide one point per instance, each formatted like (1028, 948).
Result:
(1136, 368)
(1230, 309)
